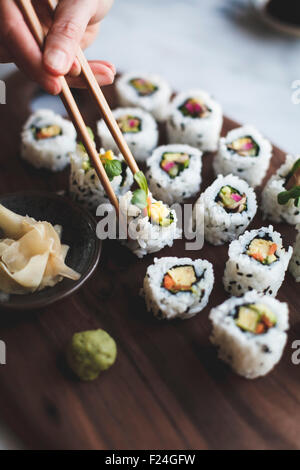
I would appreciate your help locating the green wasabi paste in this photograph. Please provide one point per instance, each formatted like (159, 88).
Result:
(91, 352)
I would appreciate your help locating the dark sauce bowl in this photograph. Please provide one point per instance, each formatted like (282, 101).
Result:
(276, 21)
(78, 231)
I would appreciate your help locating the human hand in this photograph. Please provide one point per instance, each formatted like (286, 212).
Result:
(75, 24)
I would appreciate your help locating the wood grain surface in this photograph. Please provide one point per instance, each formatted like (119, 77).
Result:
(167, 389)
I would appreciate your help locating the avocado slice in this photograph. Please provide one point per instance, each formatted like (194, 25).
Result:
(175, 157)
(225, 195)
(247, 319)
(255, 318)
(183, 275)
(244, 146)
(259, 249)
(173, 172)
(129, 124)
(263, 310)
(48, 132)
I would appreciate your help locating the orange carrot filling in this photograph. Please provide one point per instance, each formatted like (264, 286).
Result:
(273, 249)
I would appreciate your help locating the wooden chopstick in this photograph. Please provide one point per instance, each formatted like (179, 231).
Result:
(100, 99)
(71, 106)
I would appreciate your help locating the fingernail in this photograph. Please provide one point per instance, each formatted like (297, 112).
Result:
(56, 60)
(106, 78)
(113, 68)
(75, 70)
(53, 87)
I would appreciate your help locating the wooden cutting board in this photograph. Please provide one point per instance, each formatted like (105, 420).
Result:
(167, 389)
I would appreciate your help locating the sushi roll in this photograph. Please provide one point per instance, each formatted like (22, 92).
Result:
(139, 129)
(178, 287)
(195, 119)
(151, 224)
(147, 91)
(295, 261)
(250, 333)
(257, 261)
(244, 153)
(281, 195)
(174, 172)
(229, 206)
(85, 186)
(48, 140)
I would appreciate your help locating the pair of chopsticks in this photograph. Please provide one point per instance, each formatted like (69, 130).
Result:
(73, 110)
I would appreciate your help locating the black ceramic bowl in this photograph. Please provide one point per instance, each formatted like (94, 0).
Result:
(79, 232)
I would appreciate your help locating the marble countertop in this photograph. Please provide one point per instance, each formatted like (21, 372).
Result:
(218, 45)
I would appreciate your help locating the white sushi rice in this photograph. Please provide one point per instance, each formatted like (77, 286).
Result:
(202, 133)
(222, 227)
(182, 305)
(186, 184)
(52, 153)
(146, 237)
(157, 103)
(243, 273)
(251, 169)
(85, 186)
(271, 209)
(141, 143)
(295, 261)
(248, 354)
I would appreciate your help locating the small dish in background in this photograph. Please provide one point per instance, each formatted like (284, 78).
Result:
(277, 24)
(79, 232)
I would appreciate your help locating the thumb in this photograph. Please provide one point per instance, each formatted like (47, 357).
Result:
(64, 36)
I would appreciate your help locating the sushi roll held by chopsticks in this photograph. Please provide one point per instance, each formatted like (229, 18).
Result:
(151, 224)
(250, 333)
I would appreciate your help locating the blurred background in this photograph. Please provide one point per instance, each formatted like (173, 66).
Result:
(222, 46)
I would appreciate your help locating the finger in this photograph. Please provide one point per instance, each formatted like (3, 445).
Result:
(96, 66)
(90, 35)
(20, 44)
(43, 12)
(75, 70)
(103, 74)
(69, 25)
(101, 8)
